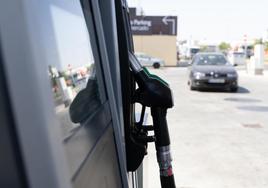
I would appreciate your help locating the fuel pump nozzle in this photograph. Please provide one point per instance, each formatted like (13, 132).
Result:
(155, 93)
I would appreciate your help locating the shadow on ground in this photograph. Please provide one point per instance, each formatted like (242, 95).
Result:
(241, 90)
(254, 108)
(239, 99)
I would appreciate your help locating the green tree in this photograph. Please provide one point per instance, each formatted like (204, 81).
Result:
(203, 48)
(258, 41)
(224, 46)
(266, 45)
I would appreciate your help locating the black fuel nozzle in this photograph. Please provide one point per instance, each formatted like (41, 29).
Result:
(155, 93)
(152, 91)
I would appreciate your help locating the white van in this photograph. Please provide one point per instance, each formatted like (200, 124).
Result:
(237, 58)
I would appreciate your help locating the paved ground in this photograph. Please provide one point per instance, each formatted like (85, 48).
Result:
(219, 139)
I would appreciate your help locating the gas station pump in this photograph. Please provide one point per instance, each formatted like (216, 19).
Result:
(79, 138)
(153, 92)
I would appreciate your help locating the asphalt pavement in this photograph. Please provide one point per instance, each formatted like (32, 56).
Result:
(219, 139)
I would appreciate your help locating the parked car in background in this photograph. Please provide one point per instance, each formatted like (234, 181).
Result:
(212, 70)
(237, 58)
(249, 50)
(191, 51)
(149, 61)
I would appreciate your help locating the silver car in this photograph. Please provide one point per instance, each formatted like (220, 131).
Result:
(149, 61)
(212, 70)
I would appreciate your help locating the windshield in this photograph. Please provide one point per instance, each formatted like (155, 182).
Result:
(213, 59)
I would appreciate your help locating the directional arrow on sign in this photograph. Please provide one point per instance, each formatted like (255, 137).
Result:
(165, 20)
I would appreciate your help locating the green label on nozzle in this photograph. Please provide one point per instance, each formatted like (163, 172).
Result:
(154, 76)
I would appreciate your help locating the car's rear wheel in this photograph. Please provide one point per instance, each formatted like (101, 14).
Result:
(156, 65)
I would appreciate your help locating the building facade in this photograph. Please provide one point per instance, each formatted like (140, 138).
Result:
(155, 36)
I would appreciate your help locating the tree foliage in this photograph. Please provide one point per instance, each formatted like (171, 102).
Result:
(261, 41)
(203, 48)
(258, 41)
(223, 46)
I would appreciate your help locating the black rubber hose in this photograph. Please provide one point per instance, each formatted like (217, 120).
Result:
(162, 145)
(160, 126)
